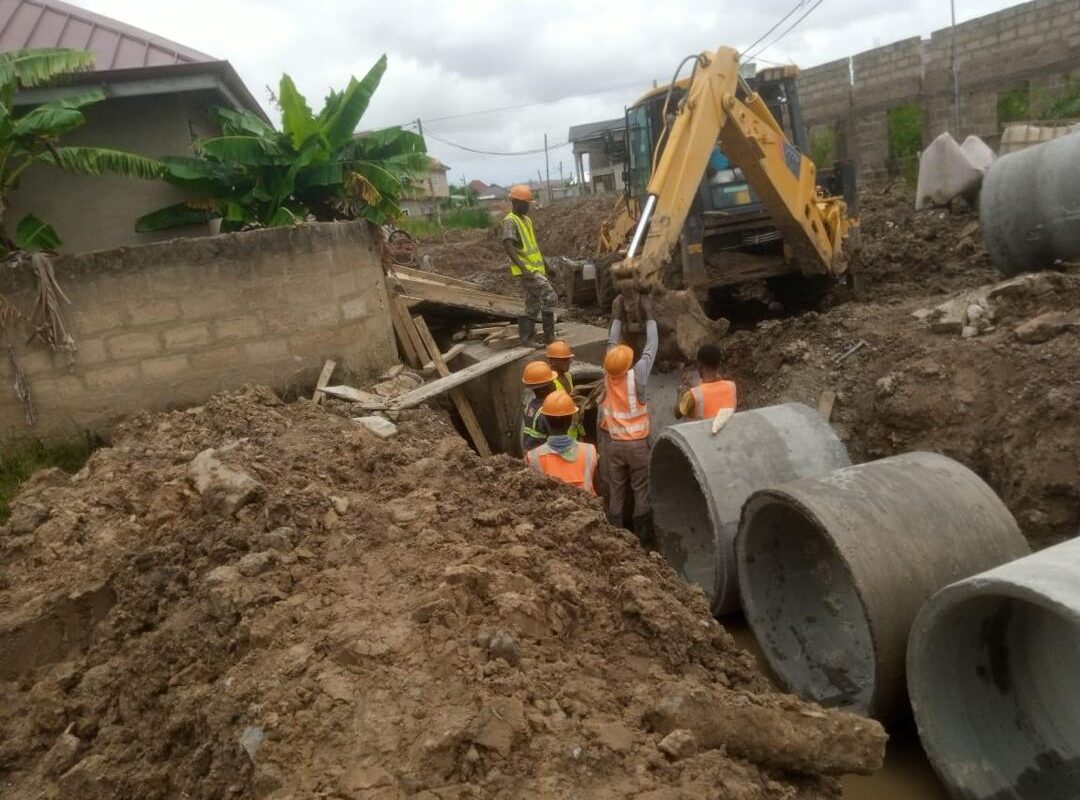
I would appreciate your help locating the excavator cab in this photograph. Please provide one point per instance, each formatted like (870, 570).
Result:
(727, 218)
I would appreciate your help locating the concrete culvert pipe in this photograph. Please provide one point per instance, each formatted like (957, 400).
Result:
(994, 678)
(699, 482)
(1028, 206)
(833, 570)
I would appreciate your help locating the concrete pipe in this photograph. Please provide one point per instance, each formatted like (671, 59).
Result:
(994, 678)
(833, 569)
(1029, 206)
(699, 482)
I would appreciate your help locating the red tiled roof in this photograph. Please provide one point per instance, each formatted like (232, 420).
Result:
(50, 23)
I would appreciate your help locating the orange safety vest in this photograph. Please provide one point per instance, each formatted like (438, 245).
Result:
(709, 398)
(625, 417)
(579, 472)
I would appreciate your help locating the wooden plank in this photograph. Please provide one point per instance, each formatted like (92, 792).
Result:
(825, 404)
(397, 317)
(460, 297)
(324, 378)
(370, 401)
(433, 389)
(457, 395)
(434, 277)
(409, 331)
(447, 357)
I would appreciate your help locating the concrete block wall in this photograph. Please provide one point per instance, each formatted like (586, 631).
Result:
(167, 325)
(1034, 45)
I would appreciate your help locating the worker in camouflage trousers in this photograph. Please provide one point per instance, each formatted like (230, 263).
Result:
(527, 264)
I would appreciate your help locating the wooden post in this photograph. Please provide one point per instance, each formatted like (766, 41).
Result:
(457, 395)
(324, 378)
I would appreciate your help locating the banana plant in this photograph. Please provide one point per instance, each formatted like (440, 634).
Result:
(316, 167)
(32, 138)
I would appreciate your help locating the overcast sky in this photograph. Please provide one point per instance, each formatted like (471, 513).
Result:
(576, 61)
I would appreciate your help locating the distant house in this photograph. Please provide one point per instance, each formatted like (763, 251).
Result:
(428, 192)
(603, 145)
(478, 187)
(495, 197)
(158, 95)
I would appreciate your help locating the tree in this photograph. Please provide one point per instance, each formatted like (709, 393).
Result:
(316, 167)
(32, 138)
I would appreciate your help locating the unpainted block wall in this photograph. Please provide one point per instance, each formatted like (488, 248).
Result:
(169, 324)
(1034, 44)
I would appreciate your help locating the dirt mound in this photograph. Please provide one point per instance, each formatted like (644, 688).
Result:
(252, 599)
(566, 228)
(1007, 408)
(905, 251)
(571, 228)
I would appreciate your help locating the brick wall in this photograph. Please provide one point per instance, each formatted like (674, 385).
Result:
(1034, 45)
(166, 325)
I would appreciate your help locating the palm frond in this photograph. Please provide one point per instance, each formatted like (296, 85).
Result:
(340, 127)
(101, 161)
(38, 66)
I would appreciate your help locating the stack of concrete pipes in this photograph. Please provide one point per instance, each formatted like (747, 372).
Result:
(854, 578)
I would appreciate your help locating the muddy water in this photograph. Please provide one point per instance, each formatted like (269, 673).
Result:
(907, 775)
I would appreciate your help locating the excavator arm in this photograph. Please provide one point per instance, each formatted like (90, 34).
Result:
(720, 108)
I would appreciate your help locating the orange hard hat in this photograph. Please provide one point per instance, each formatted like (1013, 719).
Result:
(618, 360)
(537, 373)
(521, 192)
(558, 404)
(559, 350)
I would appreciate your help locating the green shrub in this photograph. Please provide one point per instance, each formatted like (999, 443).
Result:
(823, 147)
(905, 125)
(20, 460)
(1012, 106)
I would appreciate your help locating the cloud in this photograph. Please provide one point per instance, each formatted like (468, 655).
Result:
(578, 62)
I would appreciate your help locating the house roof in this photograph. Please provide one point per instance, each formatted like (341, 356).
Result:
(50, 23)
(591, 129)
(130, 61)
(436, 165)
(478, 186)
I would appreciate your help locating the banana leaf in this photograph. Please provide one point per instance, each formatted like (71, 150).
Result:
(33, 234)
(174, 216)
(296, 117)
(101, 161)
(341, 126)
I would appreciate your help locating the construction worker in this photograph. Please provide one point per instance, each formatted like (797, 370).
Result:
(625, 421)
(539, 377)
(713, 393)
(527, 263)
(559, 356)
(561, 456)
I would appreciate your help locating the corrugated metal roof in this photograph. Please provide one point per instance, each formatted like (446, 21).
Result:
(50, 23)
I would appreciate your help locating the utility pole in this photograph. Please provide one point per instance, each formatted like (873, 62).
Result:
(547, 168)
(430, 185)
(955, 74)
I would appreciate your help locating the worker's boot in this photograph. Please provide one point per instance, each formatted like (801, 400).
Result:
(526, 329)
(643, 527)
(615, 520)
(549, 327)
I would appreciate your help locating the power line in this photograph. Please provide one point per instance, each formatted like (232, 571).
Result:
(790, 28)
(780, 22)
(535, 152)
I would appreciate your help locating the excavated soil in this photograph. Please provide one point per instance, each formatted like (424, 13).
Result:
(311, 611)
(1008, 409)
(567, 228)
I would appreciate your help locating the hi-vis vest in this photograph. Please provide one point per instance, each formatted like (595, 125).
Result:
(579, 472)
(529, 253)
(566, 384)
(709, 398)
(625, 418)
(530, 427)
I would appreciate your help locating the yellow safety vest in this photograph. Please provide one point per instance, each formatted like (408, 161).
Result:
(529, 253)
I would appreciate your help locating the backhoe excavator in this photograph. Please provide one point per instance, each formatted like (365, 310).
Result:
(764, 213)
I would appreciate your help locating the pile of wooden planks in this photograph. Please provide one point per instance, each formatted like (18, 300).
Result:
(417, 287)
